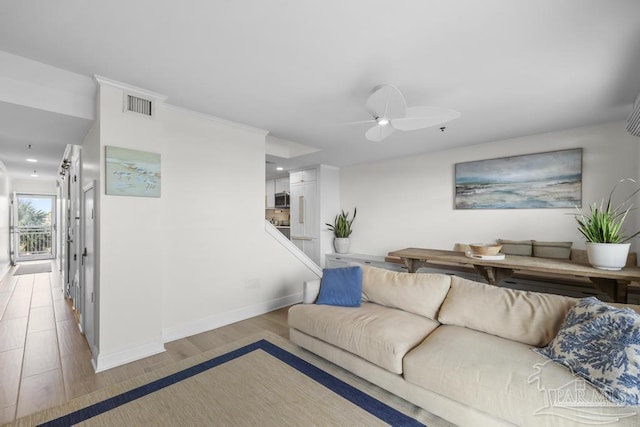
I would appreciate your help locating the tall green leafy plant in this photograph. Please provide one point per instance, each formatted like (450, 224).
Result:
(603, 224)
(341, 226)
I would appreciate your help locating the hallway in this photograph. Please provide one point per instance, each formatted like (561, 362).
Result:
(45, 360)
(40, 344)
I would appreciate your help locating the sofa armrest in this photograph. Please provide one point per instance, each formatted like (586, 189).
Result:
(310, 291)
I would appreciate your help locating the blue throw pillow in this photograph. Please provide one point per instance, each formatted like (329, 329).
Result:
(601, 344)
(341, 286)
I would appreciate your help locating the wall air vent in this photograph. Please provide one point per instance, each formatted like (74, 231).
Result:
(138, 105)
(633, 122)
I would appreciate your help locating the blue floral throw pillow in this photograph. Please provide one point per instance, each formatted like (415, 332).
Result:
(341, 286)
(601, 344)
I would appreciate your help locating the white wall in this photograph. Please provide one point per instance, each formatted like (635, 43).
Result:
(220, 264)
(199, 256)
(34, 186)
(4, 221)
(409, 202)
(130, 245)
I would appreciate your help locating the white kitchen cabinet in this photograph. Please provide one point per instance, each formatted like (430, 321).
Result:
(315, 200)
(304, 197)
(309, 246)
(270, 191)
(282, 184)
(303, 176)
(304, 218)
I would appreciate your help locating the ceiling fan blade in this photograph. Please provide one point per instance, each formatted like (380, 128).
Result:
(359, 122)
(386, 101)
(424, 117)
(378, 133)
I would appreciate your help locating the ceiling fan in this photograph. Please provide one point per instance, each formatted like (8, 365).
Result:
(389, 110)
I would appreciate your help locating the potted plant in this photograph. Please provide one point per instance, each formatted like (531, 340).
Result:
(607, 246)
(341, 228)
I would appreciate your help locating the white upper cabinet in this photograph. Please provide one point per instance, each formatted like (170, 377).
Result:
(303, 176)
(282, 184)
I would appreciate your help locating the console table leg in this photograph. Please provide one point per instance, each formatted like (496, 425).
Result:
(493, 275)
(616, 289)
(414, 264)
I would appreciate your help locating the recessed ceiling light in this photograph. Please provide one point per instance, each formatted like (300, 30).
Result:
(32, 160)
(279, 168)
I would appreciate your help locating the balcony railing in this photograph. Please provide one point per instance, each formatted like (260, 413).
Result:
(35, 240)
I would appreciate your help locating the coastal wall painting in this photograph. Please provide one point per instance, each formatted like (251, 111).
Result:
(132, 172)
(533, 181)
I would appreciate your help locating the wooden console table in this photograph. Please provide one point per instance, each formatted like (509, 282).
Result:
(614, 283)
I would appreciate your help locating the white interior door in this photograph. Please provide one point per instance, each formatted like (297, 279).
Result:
(88, 265)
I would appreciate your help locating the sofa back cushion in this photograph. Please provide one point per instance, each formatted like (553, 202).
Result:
(419, 293)
(528, 317)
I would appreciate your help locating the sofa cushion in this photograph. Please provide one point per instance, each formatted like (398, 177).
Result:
(341, 286)
(527, 317)
(560, 250)
(381, 335)
(601, 344)
(502, 377)
(416, 293)
(516, 247)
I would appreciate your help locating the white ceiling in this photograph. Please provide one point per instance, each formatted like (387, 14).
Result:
(301, 68)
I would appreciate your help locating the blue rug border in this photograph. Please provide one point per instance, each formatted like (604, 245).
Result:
(370, 404)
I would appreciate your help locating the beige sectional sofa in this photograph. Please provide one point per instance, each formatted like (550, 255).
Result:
(459, 349)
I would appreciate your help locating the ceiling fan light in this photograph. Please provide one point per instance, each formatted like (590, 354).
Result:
(382, 121)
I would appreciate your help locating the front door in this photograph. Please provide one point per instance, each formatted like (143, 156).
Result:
(34, 226)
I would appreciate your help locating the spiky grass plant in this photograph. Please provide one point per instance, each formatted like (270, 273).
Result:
(341, 226)
(603, 224)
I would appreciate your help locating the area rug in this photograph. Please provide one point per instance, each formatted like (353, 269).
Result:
(261, 382)
(41, 267)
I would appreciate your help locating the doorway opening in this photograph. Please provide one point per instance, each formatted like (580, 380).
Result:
(34, 227)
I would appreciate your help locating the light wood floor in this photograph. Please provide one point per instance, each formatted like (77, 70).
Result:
(45, 360)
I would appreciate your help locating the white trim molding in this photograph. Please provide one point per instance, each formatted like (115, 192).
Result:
(227, 318)
(133, 90)
(302, 257)
(102, 362)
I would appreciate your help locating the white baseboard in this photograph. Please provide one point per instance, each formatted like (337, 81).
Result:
(227, 318)
(102, 362)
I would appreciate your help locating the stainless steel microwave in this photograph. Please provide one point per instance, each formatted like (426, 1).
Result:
(282, 200)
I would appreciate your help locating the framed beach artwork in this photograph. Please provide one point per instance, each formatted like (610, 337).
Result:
(132, 172)
(533, 181)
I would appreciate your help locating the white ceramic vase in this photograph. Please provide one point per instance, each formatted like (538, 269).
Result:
(342, 245)
(608, 256)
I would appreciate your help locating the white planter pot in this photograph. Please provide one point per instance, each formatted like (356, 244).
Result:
(342, 245)
(608, 256)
